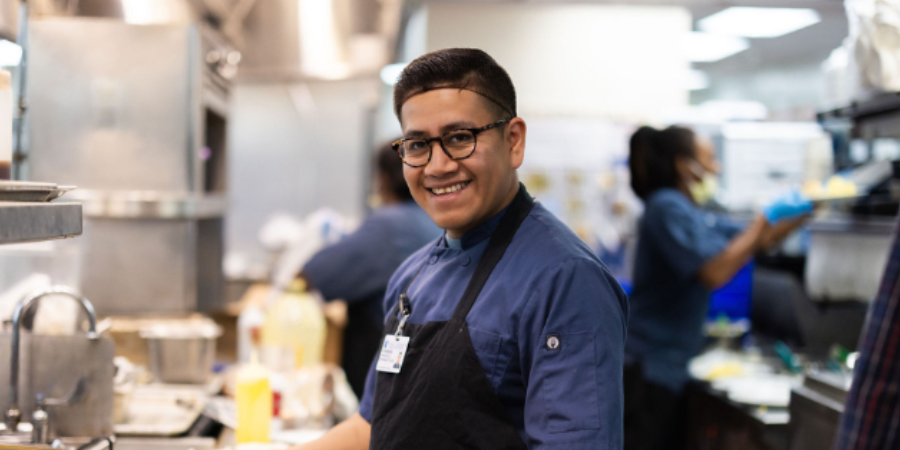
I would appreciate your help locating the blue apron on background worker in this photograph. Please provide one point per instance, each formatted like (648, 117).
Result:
(357, 268)
(684, 252)
(507, 332)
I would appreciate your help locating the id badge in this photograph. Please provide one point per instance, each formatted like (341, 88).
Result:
(393, 352)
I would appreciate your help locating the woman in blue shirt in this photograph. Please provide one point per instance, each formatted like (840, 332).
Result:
(684, 252)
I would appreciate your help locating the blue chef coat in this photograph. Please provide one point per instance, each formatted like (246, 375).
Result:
(548, 283)
(358, 267)
(669, 304)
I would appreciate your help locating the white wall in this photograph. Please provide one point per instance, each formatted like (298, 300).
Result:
(619, 62)
(295, 148)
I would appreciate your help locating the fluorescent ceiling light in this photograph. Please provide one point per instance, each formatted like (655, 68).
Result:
(144, 12)
(697, 80)
(391, 72)
(10, 53)
(707, 47)
(759, 22)
(320, 46)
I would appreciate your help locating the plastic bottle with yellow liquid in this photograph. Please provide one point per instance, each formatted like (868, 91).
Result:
(295, 323)
(254, 403)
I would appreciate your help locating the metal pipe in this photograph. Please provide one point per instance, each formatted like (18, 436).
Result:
(19, 155)
(13, 414)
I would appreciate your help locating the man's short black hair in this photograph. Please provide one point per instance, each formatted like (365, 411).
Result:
(462, 68)
(389, 163)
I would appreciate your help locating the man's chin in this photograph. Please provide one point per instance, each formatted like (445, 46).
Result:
(451, 225)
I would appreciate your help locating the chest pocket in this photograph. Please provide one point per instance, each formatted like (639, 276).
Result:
(487, 347)
(566, 377)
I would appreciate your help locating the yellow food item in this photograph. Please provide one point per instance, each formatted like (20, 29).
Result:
(813, 189)
(836, 187)
(728, 369)
(840, 187)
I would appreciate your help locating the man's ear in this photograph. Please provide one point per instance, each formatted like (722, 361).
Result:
(515, 137)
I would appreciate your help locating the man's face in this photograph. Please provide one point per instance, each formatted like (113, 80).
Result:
(481, 184)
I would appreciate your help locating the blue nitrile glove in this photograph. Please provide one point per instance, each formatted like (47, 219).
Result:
(788, 206)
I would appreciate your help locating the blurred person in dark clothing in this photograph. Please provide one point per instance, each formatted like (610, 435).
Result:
(684, 252)
(871, 418)
(358, 267)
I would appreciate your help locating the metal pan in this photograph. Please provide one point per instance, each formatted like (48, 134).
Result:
(29, 191)
(25, 191)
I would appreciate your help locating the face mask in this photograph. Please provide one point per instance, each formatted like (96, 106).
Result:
(704, 190)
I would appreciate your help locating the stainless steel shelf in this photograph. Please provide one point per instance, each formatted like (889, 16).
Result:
(150, 204)
(29, 222)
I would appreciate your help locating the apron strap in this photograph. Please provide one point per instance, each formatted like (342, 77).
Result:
(500, 240)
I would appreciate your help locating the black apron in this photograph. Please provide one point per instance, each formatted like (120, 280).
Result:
(441, 399)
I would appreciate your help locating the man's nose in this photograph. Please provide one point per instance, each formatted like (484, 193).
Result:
(440, 163)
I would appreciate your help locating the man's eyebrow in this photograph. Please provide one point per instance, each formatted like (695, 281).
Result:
(457, 126)
(460, 124)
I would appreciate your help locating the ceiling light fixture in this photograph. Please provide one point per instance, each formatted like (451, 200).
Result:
(322, 55)
(10, 53)
(755, 22)
(391, 72)
(707, 47)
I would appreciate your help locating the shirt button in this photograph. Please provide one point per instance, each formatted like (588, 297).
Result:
(433, 260)
(465, 260)
(553, 342)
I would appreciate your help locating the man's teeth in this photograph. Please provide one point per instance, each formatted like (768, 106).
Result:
(449, 189)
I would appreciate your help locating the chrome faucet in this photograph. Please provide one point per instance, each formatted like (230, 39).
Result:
(14, 414)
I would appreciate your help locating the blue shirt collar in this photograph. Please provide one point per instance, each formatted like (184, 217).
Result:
(478, 234)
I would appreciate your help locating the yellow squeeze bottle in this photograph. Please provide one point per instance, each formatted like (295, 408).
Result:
(254, 403)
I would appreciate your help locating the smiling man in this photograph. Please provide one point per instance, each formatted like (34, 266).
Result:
(507, 332)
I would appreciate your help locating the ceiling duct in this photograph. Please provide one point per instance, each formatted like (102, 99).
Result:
(319, 39)
(218, 12)
(279, 39)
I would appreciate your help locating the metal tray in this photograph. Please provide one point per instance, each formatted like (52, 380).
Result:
(29, 191)
(161, 410)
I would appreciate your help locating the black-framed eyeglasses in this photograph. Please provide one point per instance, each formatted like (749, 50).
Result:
(457, 144)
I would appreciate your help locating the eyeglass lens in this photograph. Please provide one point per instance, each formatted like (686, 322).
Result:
(459, 144)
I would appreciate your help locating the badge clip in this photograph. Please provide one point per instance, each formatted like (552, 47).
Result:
(405, 311)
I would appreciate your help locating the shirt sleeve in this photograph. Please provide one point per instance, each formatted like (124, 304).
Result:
(368, 398)
(356, 267)
(684, 239)
(728, 228)
(572, 338)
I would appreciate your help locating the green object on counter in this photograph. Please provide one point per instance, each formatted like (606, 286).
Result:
(790, 360)
(839, 353)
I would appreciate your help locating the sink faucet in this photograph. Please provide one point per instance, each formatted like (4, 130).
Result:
(13, 414)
